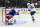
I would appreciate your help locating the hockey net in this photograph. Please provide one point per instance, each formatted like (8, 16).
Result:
(3, 12)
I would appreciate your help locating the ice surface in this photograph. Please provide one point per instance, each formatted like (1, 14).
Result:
(23, 17)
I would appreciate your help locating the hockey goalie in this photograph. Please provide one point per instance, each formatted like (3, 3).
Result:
(9, 17)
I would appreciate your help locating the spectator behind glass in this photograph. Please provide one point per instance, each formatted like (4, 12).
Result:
(38, 6)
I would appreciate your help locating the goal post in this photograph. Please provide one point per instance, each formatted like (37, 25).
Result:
(3, 10)
(5, 15)
(2, 14)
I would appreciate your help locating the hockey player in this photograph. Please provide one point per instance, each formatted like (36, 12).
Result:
(32, 10)
(9, 17)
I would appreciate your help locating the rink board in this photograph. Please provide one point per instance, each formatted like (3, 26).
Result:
(24, 13)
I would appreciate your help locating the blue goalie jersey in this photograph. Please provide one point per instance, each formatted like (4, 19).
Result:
(12, 12)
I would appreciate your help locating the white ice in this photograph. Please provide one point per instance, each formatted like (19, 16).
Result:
(23, 17)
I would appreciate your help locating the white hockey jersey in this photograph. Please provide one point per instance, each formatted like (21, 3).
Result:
(31, 7)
